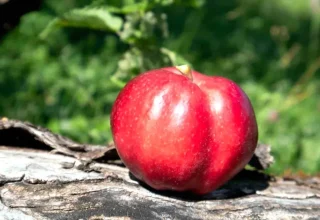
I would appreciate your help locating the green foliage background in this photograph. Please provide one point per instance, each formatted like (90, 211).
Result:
(63, 66)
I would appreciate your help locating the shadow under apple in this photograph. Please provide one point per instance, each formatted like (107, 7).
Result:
(245, 183)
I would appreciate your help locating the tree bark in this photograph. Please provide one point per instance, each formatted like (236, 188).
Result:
(36, 183)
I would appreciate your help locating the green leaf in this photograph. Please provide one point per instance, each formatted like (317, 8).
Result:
(128, 9)
(136, 61)
(175, 59)
(92, 18)
(134, 6)
(145, 29)
(137, 6)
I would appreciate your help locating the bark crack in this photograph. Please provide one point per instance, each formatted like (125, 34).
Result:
(6, 181)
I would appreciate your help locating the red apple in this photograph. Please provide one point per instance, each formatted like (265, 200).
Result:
(178, 129)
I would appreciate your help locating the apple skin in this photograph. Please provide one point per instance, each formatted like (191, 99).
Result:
(183, 133)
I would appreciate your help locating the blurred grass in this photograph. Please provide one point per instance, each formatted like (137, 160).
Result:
(271, 48)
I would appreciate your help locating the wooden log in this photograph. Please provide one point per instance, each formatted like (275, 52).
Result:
(38, 184)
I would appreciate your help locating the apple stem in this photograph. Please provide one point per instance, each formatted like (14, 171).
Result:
(185, 70)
